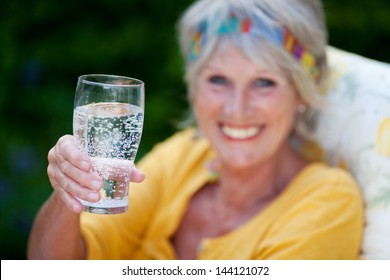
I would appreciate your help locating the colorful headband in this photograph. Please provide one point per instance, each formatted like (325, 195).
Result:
(278, 35)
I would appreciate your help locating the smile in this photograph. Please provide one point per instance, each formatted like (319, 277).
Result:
(240, 133)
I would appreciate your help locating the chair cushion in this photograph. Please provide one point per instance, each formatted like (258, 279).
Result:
(354, 132)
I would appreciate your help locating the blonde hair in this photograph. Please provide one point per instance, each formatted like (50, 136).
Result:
(303, 18)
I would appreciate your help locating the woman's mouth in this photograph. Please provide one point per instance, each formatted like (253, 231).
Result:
(240, 133)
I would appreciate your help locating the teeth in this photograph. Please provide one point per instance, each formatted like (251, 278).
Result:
(240, 133)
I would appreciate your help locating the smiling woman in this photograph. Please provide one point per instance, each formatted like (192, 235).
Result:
(254, 69)
(245, 111)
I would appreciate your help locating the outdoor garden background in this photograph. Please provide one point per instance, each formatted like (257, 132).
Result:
(45, 45)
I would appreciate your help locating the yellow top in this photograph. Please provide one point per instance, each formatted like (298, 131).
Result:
(318, 216)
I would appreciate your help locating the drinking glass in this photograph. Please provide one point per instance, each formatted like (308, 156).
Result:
(107, 126)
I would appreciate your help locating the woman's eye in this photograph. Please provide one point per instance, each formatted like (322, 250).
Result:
(218, 80)
(264, 83)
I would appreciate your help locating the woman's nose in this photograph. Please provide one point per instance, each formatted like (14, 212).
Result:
(238, 104)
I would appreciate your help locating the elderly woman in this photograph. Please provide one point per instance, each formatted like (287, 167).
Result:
(232, 186)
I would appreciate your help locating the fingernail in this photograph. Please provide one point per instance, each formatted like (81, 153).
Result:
(84, 165)
(96, 185)
(76, 208)
(93, 196)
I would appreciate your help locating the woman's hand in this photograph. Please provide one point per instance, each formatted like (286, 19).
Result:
(69, 172)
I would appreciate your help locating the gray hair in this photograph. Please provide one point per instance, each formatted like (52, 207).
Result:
(303, 18)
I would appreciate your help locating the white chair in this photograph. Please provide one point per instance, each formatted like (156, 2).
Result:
(354, 132)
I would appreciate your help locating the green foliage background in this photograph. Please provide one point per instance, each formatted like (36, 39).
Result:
(45, 45)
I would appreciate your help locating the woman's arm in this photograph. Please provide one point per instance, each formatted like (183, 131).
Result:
(56, 232)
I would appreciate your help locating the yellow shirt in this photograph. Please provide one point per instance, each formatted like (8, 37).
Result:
(319, 215)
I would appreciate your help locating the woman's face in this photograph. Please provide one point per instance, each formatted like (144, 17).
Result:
(246, 112)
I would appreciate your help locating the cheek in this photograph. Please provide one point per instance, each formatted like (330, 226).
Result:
(200, 107)
(287, 121)
(206, 103)
(198, 101)
(280, 110)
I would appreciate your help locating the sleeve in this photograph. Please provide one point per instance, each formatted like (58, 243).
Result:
(324, 222)
(119, 236)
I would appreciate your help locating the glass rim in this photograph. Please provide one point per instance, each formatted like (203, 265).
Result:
(84, 79)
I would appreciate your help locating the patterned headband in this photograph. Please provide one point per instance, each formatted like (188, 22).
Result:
(278, 35)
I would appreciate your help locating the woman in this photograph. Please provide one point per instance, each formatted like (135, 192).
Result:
(233, 187)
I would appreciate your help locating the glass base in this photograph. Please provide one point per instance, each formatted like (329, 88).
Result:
(105, 210)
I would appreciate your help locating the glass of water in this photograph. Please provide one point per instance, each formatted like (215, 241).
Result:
(107, 126)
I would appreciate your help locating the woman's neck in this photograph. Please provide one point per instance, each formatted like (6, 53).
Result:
(259, 184)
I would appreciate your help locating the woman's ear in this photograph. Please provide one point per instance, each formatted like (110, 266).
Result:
(301, 108)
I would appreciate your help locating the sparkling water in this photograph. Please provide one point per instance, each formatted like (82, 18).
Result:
(109, 133)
